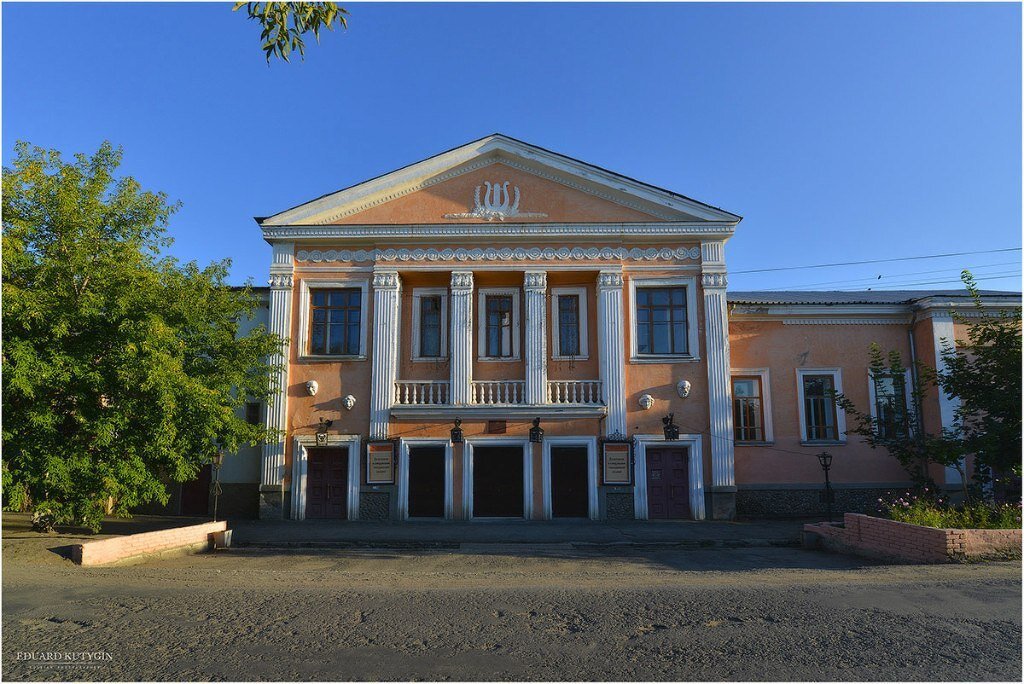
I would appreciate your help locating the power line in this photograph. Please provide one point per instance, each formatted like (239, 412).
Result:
(886, 279)
(875, 261)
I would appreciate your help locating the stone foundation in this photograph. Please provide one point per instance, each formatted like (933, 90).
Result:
(804, 503)
(271, 502)
(374, 505)
(618, 505)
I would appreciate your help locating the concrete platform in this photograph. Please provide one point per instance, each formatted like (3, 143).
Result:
(454, 534)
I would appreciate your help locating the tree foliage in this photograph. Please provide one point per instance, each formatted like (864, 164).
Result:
(983, 372)
(122, 369)
(284, 24)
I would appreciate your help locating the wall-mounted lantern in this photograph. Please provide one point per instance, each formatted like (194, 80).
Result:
(536, 432)
(321, 432)
(457, 432)
(671, 429)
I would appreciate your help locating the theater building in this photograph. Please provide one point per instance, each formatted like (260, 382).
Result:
(500, 331)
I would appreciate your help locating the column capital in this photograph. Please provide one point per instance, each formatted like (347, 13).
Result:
(280, 281)
(607, 280)
(714, 280)
(462, 280)
(385, 280)
(535, 281)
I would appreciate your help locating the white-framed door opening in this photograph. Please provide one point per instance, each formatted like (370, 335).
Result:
(467, 472)
(404, 446)
(300, 462)
(695, 459)
(590, 443)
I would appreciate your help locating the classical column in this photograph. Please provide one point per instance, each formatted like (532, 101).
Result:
(612, 349)
(535, 284)
(716, 342)
(276, 418)
(384, 372)
(461, 337)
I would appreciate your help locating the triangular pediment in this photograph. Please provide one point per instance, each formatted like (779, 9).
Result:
(499, 179)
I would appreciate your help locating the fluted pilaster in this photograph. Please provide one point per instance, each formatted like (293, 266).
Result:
(461, 337)
(612, 349)
(276, 418)
(384, 372)
(716, 326)
(535, 285)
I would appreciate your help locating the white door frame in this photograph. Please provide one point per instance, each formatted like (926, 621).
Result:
(467, 471)
(591, 445)
(404, 446)
(300, 463)
(696, 463)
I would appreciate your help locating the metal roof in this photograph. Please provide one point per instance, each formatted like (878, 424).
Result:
(896, 297)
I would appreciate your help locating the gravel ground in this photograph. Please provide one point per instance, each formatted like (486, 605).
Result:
(522, 613)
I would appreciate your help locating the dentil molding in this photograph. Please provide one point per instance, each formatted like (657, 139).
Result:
(500, 254)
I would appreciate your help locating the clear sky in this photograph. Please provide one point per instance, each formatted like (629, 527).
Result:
(840, 132)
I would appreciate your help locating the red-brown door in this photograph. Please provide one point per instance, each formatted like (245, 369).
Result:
(668, 483)
(327, 483)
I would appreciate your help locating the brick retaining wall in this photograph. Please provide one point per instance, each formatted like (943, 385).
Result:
(128, 546)
(880, 538)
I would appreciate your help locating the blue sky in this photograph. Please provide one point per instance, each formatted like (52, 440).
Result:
(840, 132)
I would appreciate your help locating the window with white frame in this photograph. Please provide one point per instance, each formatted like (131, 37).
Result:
(890, 400)
(664, 315)
(332, 318)
(499, 324)
(821, 420)
(429, 323)
(751, 402)
(569, 323)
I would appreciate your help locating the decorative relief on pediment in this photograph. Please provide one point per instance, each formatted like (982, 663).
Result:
(501, 254)
(497, 204)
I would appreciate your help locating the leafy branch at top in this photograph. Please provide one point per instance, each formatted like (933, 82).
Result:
(284, 24)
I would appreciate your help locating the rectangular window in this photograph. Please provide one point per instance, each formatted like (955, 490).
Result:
(252, 413)
(499, 326)
(430, 326)
(890, 406)
(335, 321)
(569, 325)
(748, 409)
(661, 320)
(819, 408)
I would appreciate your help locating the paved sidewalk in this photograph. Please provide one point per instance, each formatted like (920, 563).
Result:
(454, 533)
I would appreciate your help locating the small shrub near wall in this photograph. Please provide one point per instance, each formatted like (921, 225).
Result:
(934, 511)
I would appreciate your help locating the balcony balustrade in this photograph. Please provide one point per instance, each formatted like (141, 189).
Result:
(499, 393)
(422, 392)
(577, 392)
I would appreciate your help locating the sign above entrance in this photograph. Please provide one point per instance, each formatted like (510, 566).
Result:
(497, 204)
(615, 466)
(380, 463)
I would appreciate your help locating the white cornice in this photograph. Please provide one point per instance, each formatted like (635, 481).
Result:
(492, 149)
(432, 231)
(523, 253)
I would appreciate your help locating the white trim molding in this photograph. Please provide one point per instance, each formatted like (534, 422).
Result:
(837, 379)
(300, 461)
(461, 338)
(419, 293)
(279, 323)
(387, 316)
(692, 333)
(695, 458)
(499, 254)
(584, 329)
(944, 338)
(305, 306)
(766, 401)
(670, 230)
(611, 350)
(482, 293)
(405, 444)
(535, 286)
(467, 471)
(716, 346)
(590, 443)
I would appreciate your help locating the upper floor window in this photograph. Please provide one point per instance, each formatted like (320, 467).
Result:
(820, 420)
(499, 324)
(748, 409)
(430, 323)
(661, 320)
(889, 405)
(569, 323)
(335, 322)
(253, 413)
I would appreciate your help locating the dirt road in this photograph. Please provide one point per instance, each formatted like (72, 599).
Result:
(487, 614)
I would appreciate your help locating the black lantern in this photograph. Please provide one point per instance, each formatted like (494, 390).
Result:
(321, 432)
(218, 463)
(536, 432)
(457, 432)
(825, 459)
(671, 429)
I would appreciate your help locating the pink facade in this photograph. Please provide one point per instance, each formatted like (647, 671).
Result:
(499, 283)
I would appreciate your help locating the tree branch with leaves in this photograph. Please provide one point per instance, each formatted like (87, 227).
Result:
(285, 23)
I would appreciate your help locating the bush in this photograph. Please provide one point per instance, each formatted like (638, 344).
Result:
(931, 511)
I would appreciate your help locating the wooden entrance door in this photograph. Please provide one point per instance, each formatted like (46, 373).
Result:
(570, 492)
(498, 482)
(327, 483)
(668, 483)
(426, 482)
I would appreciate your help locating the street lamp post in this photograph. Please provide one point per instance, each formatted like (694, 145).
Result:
(218, 461)
(825, 459)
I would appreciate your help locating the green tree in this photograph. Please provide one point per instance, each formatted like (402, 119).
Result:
(284, 24)
(984, 373)
(122, 369)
